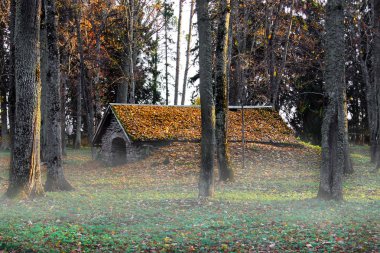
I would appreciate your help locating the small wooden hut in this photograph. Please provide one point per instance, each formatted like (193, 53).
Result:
(128, 132)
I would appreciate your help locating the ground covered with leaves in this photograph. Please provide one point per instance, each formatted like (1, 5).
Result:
(152, 206)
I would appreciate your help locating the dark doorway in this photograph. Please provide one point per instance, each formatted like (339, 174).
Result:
(119, 152)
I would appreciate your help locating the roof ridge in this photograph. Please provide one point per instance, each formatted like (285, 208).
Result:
(198, 106)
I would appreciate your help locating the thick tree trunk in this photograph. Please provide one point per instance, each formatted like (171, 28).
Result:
(206, 180)
(333, 127)
(55, 180)
(221, 88)
(178, 58)
(25, 173)
(78, 136)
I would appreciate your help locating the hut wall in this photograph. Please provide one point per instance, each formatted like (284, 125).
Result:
(133, 152)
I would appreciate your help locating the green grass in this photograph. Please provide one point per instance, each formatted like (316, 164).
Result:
(149, 206)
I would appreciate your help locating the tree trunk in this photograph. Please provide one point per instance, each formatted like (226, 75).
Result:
(221, 88)
(12, 79)
(365, 57)
(122, 90)
(63, 112)
(3, 90)
(25, 173)
(4, 118)
(376, 73)
(166, 24)
(333, 126)
(131, 51)
(44, 65)
(278, 77)
(206, 180)
(78, 136)
(188, 49)
(155, 72)
(178, 58)
(55, 180)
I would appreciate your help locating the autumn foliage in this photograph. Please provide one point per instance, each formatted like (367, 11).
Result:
(153, 123)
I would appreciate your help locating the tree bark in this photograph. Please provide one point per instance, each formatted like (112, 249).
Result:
(131, 51)
(178, 58)
(78, 136)
(55, 180)
(12, 78)
(4, 118)
(365, 59)
(206, 180)
(166, 27)
(376, 73)
(188, 49)
(3, 90)
(25, 173)
(333, 126)
(221, 88)
(44, 64)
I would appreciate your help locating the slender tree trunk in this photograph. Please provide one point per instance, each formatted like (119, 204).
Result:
(365, 56)
(278, 77)
(3, 91)
(55, 180)
(122, 91)
(333, 127)
(44, 65)
(97, 80)
(78, 136)
(206, 181)
(131, 51)
(4, 118)
(234, 91)
(63, 112)
(166, 56)
(188, 49)
(271, 57)
(348, 167)
(178, 58)
(25, 173)
(12, 78)
(221, 83)
(156, 94)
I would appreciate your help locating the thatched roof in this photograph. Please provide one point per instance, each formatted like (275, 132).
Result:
(183, 123)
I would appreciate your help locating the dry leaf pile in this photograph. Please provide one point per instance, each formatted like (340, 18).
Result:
(154, 123)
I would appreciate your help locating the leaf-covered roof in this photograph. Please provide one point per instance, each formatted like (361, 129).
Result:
(155, 123)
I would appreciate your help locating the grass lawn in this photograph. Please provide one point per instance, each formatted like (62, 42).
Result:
(152, 206)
